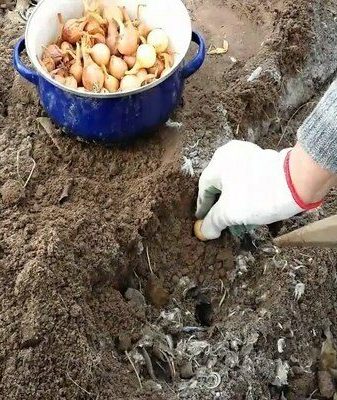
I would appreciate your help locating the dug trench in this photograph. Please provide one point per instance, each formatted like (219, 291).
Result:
(101, 278)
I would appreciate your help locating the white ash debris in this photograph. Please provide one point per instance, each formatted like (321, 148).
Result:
(140, 247)
(299, 290)
(269, 68)
(187, 167)
(244, 262)
(171, 318)
(173, 124)
(204, 144)
(270, 249)
(193, 348)
(255, 74)
(282, 370)
(281, 344)
(251, 135)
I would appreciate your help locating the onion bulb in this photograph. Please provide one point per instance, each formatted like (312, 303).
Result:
(73, 30)
(93, 76)
(110, 82)
(70, 82)
(76, 70)
(91, 7)
(128, 36)
(158, 68)
(143, 30)
(93, 27)
(59, 79)
(98, 38)
(168, 60)
(54, 52)
(112, 12)
(130, 82)
(66, 46)
(130, 60)
(158, 39)
(100, 53)
(117, 67)
(145, 58)
(142, 74)
(48, 64)
(111, 40)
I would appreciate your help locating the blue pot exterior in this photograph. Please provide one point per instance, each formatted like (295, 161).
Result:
(112, 119)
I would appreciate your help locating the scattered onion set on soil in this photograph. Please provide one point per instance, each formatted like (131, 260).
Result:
(104, 51)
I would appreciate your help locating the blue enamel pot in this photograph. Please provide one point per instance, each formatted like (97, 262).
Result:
(112, 117)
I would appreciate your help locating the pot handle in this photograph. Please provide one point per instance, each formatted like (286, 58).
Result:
(25, 72)
(192, 66)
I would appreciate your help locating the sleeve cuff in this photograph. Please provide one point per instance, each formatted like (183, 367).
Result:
(305, 206)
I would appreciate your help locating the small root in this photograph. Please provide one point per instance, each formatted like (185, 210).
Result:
(148, 260)
(148, 363)
(76, 384)
(170, 364)
(24, 184)
(222, 298)
(46, 124)
(135, 369)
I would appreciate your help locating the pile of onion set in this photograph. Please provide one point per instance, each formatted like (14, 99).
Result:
(105, 51)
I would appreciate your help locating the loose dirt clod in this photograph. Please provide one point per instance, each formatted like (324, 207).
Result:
(11, 192)
(66, 190)
(155, 292)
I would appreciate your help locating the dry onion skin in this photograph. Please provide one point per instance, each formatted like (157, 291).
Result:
(106, 51)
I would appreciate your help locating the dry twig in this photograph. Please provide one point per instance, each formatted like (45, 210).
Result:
(134, 368)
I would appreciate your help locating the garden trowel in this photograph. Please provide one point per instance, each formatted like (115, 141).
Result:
(320, 234)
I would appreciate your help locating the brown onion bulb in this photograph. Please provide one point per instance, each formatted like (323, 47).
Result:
(93, 78)
(158, 68)
(100, 53)
(54, 52)
(73, 30)
(168, 62)
(128, 37)
(93, 27)
(117, 67)
(130, 60)
(48, 63)
(66, 46)
(112, 12)
(143, 30)
(76, 70)
(98, 38)
(111, 40)
(110, 82)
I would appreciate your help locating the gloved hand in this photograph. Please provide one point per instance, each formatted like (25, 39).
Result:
(254, 185)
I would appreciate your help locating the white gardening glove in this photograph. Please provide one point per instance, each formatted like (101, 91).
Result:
(254, 185)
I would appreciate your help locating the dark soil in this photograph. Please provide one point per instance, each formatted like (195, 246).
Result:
(93, 222)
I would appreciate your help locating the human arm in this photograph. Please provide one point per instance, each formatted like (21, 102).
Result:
(259, 186)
